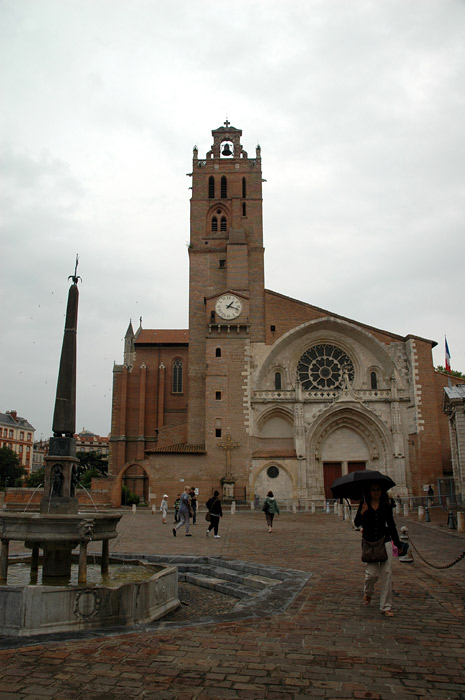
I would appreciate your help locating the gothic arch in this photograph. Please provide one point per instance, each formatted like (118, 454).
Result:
(368, 432)
(359, 419)
(136, 479)
(275, 412)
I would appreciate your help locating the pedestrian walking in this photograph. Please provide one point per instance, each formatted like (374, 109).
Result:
(177, 504)
(270, 508)
(215, 512)
(184, 513)
(193, 502)
(375, 517)
(164, 509)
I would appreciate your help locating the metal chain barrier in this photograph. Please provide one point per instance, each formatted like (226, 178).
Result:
(445, 566)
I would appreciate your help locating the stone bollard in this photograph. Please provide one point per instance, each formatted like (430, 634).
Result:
(233, 507)
(398, 509)
(346, 512)
(405, 510)
(313, 507)
(404, 538)
(427, 515)
(252, 505)
(294, 507)
(460, 521)
(306, 507)
(134, 508)
(340, 510)
(421, 513)
(154, 509)
(335, 510)
(451, 521)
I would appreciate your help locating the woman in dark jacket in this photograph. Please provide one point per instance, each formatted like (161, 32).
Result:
(374, 515)
(216, 512)
(270, 508)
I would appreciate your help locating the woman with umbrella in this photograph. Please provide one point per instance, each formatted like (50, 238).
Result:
(374, 515)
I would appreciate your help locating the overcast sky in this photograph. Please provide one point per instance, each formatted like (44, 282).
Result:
(359, 108)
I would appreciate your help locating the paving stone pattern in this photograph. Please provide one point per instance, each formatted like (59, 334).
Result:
(325, 645)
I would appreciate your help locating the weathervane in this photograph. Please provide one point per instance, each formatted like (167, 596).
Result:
(75, 277)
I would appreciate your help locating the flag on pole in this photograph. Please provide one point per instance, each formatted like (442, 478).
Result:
(447, 357)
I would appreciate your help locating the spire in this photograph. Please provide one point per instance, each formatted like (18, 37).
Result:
(129, 346)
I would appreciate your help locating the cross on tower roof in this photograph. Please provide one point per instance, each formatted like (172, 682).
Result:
(227, 123)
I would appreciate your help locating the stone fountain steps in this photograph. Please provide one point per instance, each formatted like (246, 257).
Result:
(224, 580)
(259, 589)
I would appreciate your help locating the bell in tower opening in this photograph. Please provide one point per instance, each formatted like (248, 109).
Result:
(226, 150)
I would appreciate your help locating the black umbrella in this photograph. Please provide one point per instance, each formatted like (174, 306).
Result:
(355, 484)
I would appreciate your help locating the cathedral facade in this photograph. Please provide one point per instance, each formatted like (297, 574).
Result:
(264, 391)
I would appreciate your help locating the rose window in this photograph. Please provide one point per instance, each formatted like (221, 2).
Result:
(323, 367)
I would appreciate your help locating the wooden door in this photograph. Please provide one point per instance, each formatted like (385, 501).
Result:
(355, 466)
(331, 471)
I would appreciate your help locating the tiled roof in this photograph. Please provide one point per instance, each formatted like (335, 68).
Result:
(149, 336)
(274, 454)
(180, 448)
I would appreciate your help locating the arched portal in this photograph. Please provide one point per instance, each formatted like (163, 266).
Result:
(346, 438)
(135, 479)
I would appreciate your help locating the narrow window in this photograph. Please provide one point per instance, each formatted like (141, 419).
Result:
(218, 352)
(374, 380)
(177, 377)
(218, 395)
(217, 432)
(244, 210)
(244, 188)
(224, 187)
(214, 224)
(222, 263)
(223, 224)
(211, 187)
(277, 381)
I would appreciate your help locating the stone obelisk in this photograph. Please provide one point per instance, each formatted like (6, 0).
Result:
(61, 462)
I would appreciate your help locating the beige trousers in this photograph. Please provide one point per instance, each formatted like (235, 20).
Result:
(382, 570)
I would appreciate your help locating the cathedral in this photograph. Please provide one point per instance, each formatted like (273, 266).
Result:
(265, 392)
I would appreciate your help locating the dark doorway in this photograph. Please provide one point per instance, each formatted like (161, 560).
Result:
(331, 471)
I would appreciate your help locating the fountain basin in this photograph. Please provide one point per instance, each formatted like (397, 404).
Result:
(41, 528)
(42, 609)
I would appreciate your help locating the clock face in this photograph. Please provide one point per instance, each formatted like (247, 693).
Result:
(228, 307)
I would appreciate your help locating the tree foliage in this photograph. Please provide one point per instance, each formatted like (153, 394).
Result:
(91, 465)
(11, 470)
(36, 478)
(453, 372)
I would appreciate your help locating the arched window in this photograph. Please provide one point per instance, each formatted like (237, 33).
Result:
(374, 380)
(211, 187)
(244, 188)
(224, 187)
(244, 210)
(223, 224)
(214, 224)
(177, 377)
(277, 381)
(218, 352)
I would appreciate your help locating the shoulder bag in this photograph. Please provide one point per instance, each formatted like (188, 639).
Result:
(374, 551)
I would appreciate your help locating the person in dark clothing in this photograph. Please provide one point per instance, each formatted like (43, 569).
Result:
(193, 502)
(270, 508)
(216, 512)
(375, 517)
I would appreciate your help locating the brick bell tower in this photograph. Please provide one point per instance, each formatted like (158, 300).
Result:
(226, 292)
